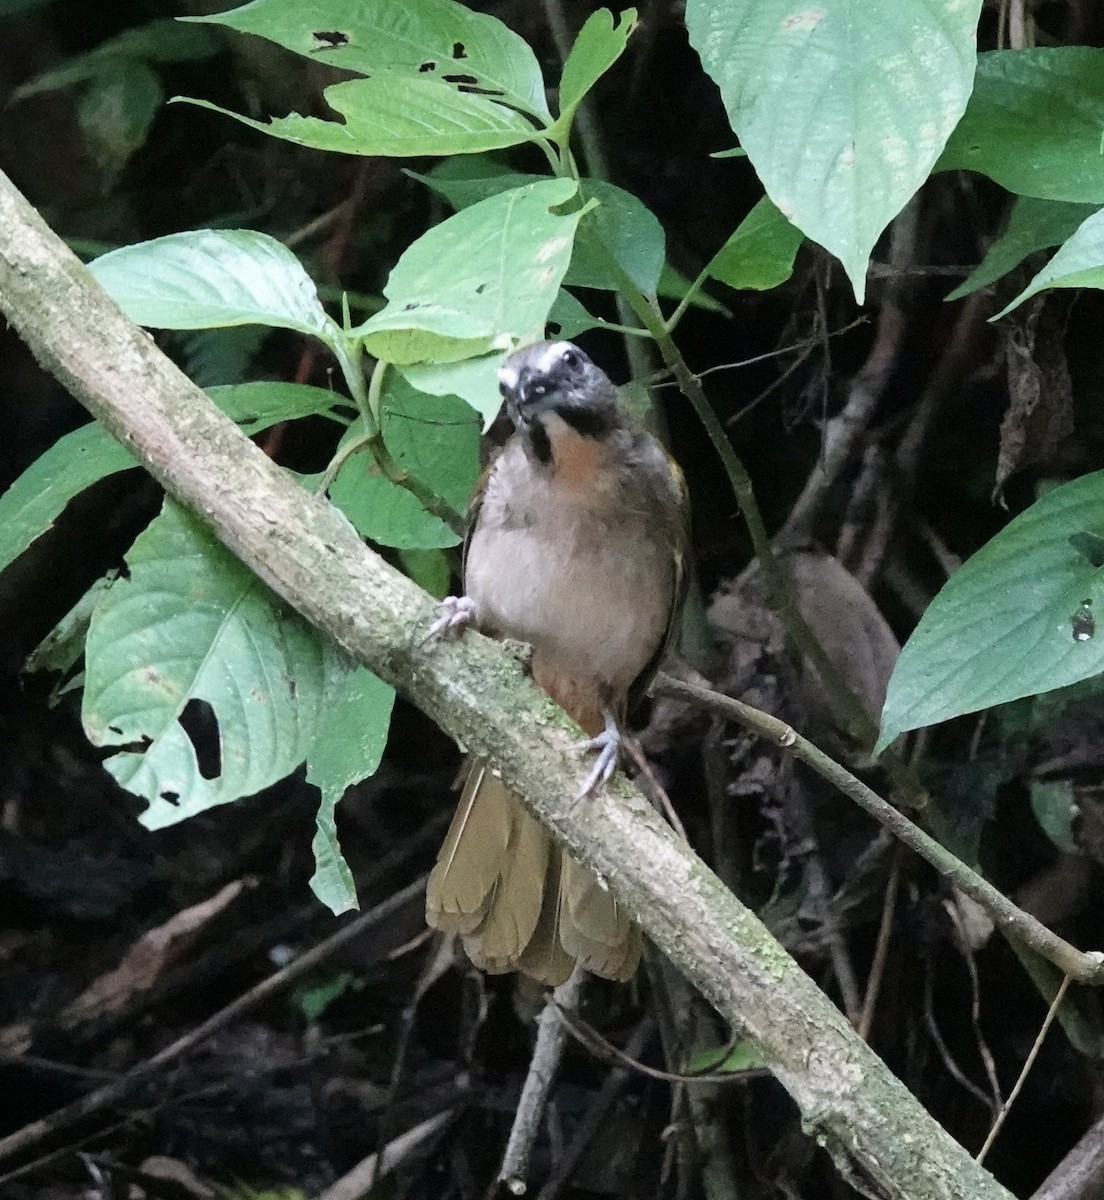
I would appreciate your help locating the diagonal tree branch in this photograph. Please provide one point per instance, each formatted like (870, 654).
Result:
(312, 557)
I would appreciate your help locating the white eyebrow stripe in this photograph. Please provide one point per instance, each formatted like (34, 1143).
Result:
(552, 355)
(508, 376)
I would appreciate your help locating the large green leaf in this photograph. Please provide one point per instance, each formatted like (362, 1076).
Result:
(213, 277)
(34, 501)
(190, 623)
(1078, 263)
(1015, 620)
(348, 749)
(761, 251)
(599, 45)
(398, 116)
(485, 277)
(843, 108)
(436, 440)
(618, 229)
(1032, 225)
(81, 458)
(1033, 123)
(439, 42)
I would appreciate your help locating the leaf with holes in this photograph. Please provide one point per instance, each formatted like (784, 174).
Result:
(1016, 620)
(438, 42)
(189, 625)
(842, 108)
(213, 277)
(1078, 263)
(1032, 225)
(1033, 123)
(479, 281)
(348, 749)
(398, 117)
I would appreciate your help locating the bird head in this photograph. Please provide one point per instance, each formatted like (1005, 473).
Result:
(558, 379)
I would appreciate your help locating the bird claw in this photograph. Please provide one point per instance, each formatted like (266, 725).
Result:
(455, 612)
(608, 747)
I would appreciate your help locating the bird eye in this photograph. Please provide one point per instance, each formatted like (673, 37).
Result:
(570, 359)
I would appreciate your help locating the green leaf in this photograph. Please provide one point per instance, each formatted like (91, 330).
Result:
(619, 227)
(348, 749)
(85, 456)
(436, 440)
(1015, 620)
(116, 111)
(1078, 263)
(568, 318)
(258, 405)
(760, 253)
(429, 569)
(312, 1002)
(34, 501)
(478, 281)
(190, 622)
(394, 116)
(599, 45)
(843, 108)
(1033, 123)
(475, 380)
(211, 277)
(1032, 225)
(744, 1056)
(437, 42)
(1055, 808)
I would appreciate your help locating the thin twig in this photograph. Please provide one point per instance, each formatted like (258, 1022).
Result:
(881, 948)
(1084, 967)
(551, 1038)
(1048, 1020)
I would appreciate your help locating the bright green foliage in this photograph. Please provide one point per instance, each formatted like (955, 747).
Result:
(481, 279)
(435, 439)
(1016, 619)
(1079, 263)
(441, 79)
(617, 233)
(431, 39)
(1033, 123)
(599, 45)
(190, 622)
(31, 505)
(760, 253)
(1032, 225)
(347, 750)
(85, 456)
(211, 278)
(843, 108)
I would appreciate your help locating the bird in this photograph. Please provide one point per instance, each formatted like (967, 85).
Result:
(577, 544)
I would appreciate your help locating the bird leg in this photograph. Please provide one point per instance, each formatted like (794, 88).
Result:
(455, 613)
(608, 745)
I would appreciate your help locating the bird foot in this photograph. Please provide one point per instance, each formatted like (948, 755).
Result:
(607, 744)
(454, 614)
